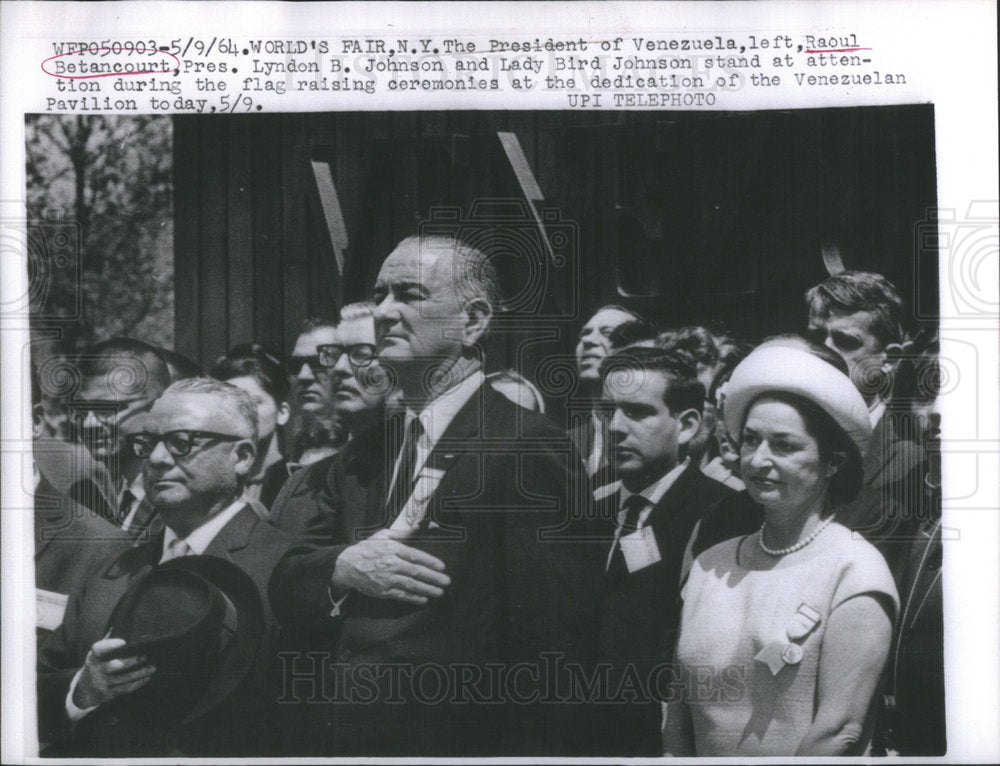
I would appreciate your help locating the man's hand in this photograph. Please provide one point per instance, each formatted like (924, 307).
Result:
(104, 679)
(382, 567)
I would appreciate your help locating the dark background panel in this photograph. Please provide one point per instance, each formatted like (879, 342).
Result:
(711, 218)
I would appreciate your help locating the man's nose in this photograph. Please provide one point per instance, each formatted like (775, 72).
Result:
(828, 342)
(305, 372)
(160, 456)
(616, 426)
(90, 420)
(342, 369)
(386, 312)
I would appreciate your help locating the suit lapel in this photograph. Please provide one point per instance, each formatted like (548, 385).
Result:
(235, 536)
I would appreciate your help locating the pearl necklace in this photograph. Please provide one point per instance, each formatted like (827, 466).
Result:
(791, 548)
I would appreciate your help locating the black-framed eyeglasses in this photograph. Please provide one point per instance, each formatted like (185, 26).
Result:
(295, 363)
(102, 409)
(358, 354)
(178, 443)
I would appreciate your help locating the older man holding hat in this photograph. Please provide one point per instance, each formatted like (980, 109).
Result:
(792, 621)
(169, 650)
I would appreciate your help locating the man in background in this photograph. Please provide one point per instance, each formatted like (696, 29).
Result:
(119, 380)
(360, 387)
(586, 427)
(860, 316)
(316, 430)
(196, 447)
(654, 403)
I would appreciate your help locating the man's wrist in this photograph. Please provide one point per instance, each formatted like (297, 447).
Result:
(76, 707)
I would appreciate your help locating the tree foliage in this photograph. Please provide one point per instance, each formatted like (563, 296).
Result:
(106, 181)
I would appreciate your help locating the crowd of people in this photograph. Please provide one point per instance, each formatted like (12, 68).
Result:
(373, 547)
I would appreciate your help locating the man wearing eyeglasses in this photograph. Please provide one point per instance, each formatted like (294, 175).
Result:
(196, 446)
(360, 386)
(119, 380)
(315, 427)
(447, 550)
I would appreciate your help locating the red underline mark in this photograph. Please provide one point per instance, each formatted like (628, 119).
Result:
(836, 50)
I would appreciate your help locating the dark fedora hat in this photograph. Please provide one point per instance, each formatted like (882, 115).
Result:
(200, 621)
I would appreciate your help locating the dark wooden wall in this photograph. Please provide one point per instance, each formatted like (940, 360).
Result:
(703, 217)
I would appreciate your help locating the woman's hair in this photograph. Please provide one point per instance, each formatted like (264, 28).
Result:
(846, 483)
(253, 361)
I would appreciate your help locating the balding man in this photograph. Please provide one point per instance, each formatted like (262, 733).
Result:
(446, 554)
(196, 447)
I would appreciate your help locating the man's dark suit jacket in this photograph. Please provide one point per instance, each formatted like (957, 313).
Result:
(581, 433)
(912, 718)
(640, 610)
(241, 726)
(298, 500)
(892, 503)
(71, 543)
(511, 486)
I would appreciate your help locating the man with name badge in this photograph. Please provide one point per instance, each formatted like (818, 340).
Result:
(655, 403)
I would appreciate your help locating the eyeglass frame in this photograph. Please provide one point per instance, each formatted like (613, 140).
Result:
(349, 350)
(134, 441)
(296, 363)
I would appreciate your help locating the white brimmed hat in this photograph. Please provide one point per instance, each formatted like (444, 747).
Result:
(796, 371)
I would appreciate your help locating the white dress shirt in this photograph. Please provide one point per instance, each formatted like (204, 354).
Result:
(652, 495)
(876, 410)
(197, 543)
(202, 536)
(435, 418)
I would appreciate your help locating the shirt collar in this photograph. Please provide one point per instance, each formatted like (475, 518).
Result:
(437, 415)
(136, 488)
(875, 411)
(654, 492)
(202, 537)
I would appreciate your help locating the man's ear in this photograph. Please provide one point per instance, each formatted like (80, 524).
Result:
(245, 452)
(893, 354)
(478, 314)
(284, 413)
(690, 422)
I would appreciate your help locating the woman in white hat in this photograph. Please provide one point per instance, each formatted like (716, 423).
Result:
(785, 632)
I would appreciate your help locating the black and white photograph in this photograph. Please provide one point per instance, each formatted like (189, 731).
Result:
(492, 433)
(517, 433)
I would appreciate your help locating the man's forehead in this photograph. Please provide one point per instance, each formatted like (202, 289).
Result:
(857, 321)
(110, 387)
(631, 385)
(414, 262)
(358, 330)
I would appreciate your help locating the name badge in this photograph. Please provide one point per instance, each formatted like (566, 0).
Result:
(802, 623)
(640, 549)
(49, 608)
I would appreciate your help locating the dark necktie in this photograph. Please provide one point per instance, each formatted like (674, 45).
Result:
(633, 508)
(402, 488)
(126, 505)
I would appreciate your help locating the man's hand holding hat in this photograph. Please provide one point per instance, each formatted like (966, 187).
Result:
(106, 675)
